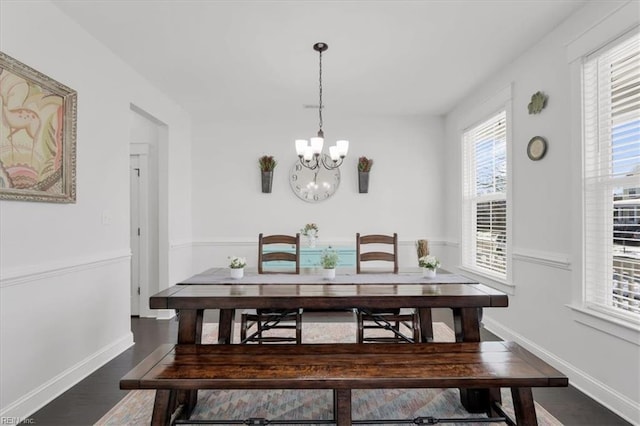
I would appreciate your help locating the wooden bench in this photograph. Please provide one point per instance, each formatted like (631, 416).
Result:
(343, 367)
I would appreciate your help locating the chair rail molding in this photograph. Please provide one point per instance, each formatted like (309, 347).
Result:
(224, 242)
(332, 242)
(25, 274)
(554, 260)
(451, 243)
(433, 242)
(180, 244)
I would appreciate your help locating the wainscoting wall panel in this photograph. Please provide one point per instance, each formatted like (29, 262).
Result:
(58, 326)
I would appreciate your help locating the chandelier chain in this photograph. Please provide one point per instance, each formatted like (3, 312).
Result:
(310, 152)
(320, 85)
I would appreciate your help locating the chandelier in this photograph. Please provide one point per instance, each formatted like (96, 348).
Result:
(309, 151)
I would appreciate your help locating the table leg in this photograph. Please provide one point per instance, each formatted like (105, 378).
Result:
(524, 407)
(225, 326)
(190, 326)
(426, 325)
(342, 407)
(189, 332)
(467, 328)
(466, 322)
(163, 407)
(495, 397)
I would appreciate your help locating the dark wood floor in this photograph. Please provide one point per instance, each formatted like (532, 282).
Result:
(89, 400)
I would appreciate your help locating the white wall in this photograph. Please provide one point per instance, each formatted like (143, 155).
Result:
(65, 268)
(65, 274)
(229, 209)
(546, 239)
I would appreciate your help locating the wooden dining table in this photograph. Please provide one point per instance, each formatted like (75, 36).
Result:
(215, 289)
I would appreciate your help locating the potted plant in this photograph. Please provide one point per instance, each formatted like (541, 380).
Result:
(267, 164)
(364, 166)
(429, 264)
(329, 261)
(236, 266)
(310, 231)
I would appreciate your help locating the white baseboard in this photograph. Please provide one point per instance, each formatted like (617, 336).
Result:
(47, 392)
(165, 314)
(610, 398)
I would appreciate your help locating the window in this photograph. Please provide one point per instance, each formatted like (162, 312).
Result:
(611, 138)
(484, 216)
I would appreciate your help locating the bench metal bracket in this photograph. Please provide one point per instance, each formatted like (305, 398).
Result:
(256, 421)
(259, 421)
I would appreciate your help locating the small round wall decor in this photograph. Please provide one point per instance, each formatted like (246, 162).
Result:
(537, 148)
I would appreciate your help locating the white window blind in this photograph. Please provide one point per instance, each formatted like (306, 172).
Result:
(611, 93)
(484, 217)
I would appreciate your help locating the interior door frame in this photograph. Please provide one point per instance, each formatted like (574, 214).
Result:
(134, 234)
(141, 152)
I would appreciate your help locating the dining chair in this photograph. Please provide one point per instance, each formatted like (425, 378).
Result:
(266, 319)
(383, 248)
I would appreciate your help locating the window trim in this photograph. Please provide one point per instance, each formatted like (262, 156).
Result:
(615, 25)
(599, 177)
(501, 100)
(606, 323)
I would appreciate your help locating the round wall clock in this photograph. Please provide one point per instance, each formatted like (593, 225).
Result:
(314, 185)
(537, 148)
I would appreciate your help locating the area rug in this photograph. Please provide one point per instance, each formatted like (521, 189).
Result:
(285, 405)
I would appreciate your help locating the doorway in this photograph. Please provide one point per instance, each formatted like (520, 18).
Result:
(138, 250)
(144, 223)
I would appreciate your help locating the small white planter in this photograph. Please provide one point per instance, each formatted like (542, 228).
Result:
(328, 274)
(311, 240)
(428, 273)
(237, 273)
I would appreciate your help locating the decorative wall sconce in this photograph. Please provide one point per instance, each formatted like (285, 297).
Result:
(267, 164)
(364, 167)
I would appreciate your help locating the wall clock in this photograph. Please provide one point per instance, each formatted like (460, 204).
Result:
(537, 148)
(314, 185)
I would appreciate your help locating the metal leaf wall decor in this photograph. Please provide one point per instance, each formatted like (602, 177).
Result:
(538, 102)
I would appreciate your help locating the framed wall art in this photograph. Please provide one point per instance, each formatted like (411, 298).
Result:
(37, 135)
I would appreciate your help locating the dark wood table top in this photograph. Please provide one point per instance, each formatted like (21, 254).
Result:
(214, 289)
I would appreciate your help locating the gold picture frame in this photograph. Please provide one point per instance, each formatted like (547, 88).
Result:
(37, 135)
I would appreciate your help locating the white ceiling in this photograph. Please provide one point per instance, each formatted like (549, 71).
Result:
(227, 59)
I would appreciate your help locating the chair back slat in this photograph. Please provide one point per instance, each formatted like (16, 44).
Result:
(377, 239)
(280, 239)
(274, 256)
(377, 255)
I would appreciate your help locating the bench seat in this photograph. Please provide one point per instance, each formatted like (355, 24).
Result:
(343, 367)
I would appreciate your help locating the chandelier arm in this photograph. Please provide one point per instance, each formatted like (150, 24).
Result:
(311, 164)
(335, 165)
